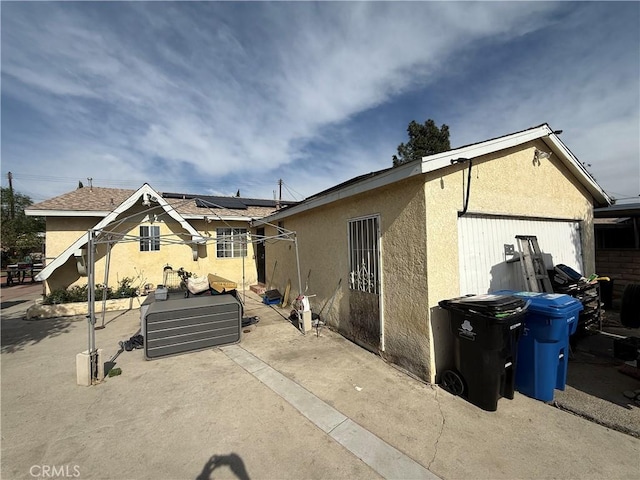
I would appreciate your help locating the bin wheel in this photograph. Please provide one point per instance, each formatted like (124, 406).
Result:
(452, 382)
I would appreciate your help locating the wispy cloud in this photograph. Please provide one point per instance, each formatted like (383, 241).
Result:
(219, 96)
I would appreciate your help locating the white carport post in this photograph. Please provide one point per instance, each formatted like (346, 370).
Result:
(88, 368)
(295, 241)
(91, 297)
(91, 292)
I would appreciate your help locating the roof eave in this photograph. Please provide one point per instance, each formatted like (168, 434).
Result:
(577, 169)
(123, 207)
(222, 218)
(66, 213)
(386, 178)
(441, 160)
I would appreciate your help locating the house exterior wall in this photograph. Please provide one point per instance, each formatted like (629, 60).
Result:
(63, 231)
(419, 245)
(506, 183)
(146, 266)
(323, 249)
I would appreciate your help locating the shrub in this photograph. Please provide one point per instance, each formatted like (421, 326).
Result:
(125, 290)
(79, 293)
(56, 297)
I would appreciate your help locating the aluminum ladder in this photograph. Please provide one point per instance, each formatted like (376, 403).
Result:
(532, 265)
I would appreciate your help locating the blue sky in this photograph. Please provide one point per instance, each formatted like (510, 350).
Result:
(212, 97)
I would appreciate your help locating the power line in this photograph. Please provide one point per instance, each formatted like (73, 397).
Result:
(291, 193)
(26, 185)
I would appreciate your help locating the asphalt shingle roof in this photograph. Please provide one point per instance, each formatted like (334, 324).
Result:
(101, 199)
(86, 199)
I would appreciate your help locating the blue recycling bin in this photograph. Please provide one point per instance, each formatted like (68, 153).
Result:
(543, 349)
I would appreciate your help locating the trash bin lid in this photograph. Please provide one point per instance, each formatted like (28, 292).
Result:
(489, 304)
(553, 304)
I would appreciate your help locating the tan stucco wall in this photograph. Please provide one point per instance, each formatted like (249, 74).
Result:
(147, 267)
(508, 183)
(63, 231)
(323, 249)
(419, 223)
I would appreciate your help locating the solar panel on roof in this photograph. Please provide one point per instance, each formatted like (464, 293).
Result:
(233, 203)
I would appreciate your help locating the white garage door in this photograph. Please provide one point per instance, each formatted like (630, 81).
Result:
(482, 256)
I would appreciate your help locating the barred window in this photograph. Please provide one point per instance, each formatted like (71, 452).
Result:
(231, 242)
(149, 238)
(364, 268)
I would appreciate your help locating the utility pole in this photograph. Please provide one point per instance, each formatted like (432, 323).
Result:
(12, 203)
(279, 195)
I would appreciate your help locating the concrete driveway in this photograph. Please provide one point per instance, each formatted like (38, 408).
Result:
(277, 405)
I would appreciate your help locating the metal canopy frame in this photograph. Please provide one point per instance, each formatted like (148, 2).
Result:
(109, 235)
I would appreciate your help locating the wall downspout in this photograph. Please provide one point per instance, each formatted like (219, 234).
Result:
(466, 199)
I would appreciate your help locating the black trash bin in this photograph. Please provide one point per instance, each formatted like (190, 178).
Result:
(486, 329)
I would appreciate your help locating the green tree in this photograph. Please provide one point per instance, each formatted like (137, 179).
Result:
(424, 140)
(20, 234)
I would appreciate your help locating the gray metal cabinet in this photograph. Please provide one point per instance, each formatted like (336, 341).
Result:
(184, 325)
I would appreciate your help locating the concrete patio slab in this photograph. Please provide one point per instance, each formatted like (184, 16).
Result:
(202, 415)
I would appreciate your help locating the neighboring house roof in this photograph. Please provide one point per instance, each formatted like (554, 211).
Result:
(100, 201)
(143, 191)
(614, 211)
(109, 203)
(82, 202)
(373, 180)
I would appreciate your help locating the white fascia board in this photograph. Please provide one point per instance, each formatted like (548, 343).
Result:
(576, 167)
(123, 207)
(219, 218)
(441, 160)
(66, 213)
(386, 178)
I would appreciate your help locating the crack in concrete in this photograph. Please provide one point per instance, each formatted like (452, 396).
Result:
(435, 452)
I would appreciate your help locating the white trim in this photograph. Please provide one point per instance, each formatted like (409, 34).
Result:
(123, 207)
(218, 218)
(101, 213)
(371, 183)
(574, 165)
(66, 213)
(443, 160)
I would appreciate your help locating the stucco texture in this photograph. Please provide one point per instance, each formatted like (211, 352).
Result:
(506, 183)
(323, 250)
(419, 244)
(147, 266)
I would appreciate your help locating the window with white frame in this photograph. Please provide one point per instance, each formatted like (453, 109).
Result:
(149, 238)
(231, 242)
(364, 268)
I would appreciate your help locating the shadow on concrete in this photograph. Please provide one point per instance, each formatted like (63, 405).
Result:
(443, 341)
(99, 317)
(233, 461)
(11, 303)
(600, 378)
(18, 333)
(596, 385)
